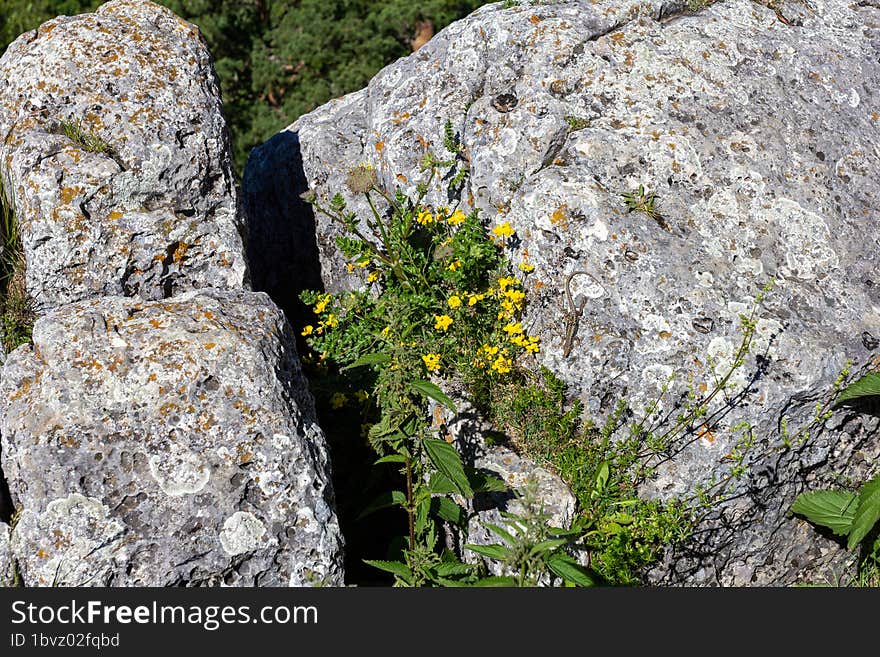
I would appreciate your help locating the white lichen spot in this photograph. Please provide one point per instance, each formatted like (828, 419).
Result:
(657, 376)
(179, 471)
(805, 237)
(242, 532)
(704, 279)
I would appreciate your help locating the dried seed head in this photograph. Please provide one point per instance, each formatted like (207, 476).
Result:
(362, 179)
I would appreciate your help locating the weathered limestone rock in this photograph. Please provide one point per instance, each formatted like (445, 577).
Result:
(157, 213)
(167, 442)
(159, 430)
(758, 131)
(7, 566)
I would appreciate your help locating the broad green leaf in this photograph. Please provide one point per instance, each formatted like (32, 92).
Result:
(602, 475)
(396, 567)
(503, 533)
(570, 570)
(449, 511)
(867, 386)
(456, 568)
(392, 458)
(547, 546)
(496, 581)
(867, 512)
(428, 389)
(498, 552)
(440, 484)
(834, 509)
(485, 483)
(446, 459)
(622, 518)
(383, 501)
(368, 359)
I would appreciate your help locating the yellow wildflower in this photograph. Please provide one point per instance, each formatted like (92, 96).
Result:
(386, 331)
(456, 217)
(373, 277)
(454, 301)
(504, 230)
(513, 329)
(332, 321)
(505, 282)
(307, 330)
(338, 400)
(363, 263)
(442, 322)
(455, 264)
(425, 217)
(526, 267)
(350, 268)
(502, 365)
(490, 350)
(321, 303)
(432, 362)
(474, 298)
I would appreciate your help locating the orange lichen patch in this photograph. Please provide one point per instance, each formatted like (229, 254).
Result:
(380, 146)
(168, 408)
(617, 37)
(400, 118)
(23, 387)
(116, 215)
(560, 217)
(180, 252)
(665, 335)
(70, 193)
(210, 345)
(155, 323)
(875, 116)
(438, 416)
(402, 178)
(538, 285)
(42, 554)
(706, 435)
(115, 362)
(152, 376)
(534, 19)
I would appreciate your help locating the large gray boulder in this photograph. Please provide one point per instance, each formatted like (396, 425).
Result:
(758, 131)
(155, 213)
(159, 430)
(165, 443)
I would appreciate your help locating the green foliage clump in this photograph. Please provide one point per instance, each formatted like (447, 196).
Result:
(82, 136)
(16, 311)
(854, 515)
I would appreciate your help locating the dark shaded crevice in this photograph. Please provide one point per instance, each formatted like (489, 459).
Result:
(7, 508)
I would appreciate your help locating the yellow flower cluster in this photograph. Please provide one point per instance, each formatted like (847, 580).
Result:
(455, 264)
(425, 216)
(432, 362)
(495, 358)
(454, 301)
(321, 303)
(503, 231)
(442, 322)
(516, 335)
(512, 297)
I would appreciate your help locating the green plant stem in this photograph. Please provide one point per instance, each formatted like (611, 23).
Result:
(410, 505)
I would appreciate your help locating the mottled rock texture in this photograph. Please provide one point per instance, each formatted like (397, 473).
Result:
(7, 566)
(159, 430)
(157, 212)
(167, 442)
(757, 129)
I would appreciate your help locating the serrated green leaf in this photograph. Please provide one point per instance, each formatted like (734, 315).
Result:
(432, 391)
(498, 552)
(622, 518)
(496, 581)
(457, 568)
(867, 386)
(570, 570)
(446, 459)
(368, 359)
(503, 533)
(441, 484)
(485, 483)
(395, 567)
(449, 511)
(867, 512)
(834, 509)
(391, 458)
(548, 545)
(383, 501)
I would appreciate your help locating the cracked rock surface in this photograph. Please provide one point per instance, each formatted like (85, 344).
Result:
(757, 129)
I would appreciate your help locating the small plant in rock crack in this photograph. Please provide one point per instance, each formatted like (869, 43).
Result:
(16, 309)
(641, 201)
(436, 303)
(82, 136)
